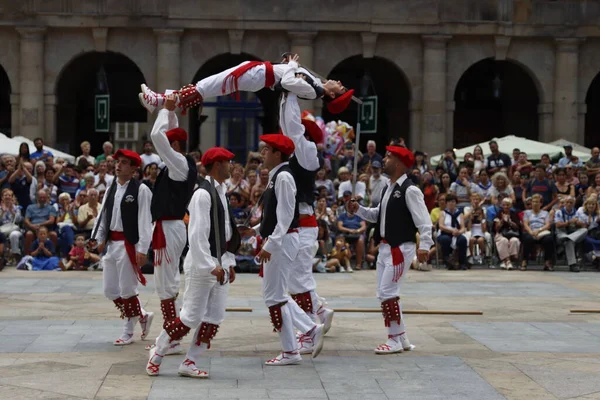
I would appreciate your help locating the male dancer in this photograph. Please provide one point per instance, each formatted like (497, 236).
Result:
(125, 223)
(401, 213)
(172, 192)
(207, 276)
(252, 76)
(279, 230)
(304, 165)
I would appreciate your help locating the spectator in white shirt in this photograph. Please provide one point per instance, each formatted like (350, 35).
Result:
(377, 182)
(149, 157)
(85, 150)
(346, 185)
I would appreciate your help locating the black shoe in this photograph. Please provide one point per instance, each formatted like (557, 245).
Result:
(463, 267)
(574, 268)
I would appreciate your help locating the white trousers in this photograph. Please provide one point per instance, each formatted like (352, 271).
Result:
(15, 241)
(251, 81)
(166, 275)
(301, 276)
(275, 291)
(120, 279)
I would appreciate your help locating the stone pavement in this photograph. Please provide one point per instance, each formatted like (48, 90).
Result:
(56, 331)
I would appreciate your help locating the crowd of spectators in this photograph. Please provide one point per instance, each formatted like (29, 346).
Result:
(501, 207)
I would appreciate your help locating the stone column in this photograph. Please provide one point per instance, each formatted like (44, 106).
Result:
(15, 115)
(414, 138)
(582, 110)
(450, 108)
(433, 128)
(50, 119)
(565, 89)
(168, 59)
(545, 112)
(301, 43)
(32, 82)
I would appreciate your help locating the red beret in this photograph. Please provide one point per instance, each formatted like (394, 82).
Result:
(341, 102)
(313, 130)
(403, 154)
(216, 154)
(136, 161)
(280, 142)
(177, 135)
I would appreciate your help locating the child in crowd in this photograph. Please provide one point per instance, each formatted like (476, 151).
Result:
(476, 226)
(341, 252)
(239, 211)
(79, 257)
(42, 251)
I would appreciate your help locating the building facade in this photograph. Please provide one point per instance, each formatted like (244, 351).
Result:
(446, 72)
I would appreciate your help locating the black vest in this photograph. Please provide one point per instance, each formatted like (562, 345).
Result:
(269, 212)
(305, 182)
(235, 241)
(129, 210)
(170, 198)
(319, 91)
(399, 224)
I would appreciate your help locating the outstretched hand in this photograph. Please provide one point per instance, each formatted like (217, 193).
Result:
(170, 102)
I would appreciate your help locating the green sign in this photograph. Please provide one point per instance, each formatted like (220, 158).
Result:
(367, 114)
(102, 110)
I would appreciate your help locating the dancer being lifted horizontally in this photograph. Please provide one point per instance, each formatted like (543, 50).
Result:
(400, 215)
(252, 76)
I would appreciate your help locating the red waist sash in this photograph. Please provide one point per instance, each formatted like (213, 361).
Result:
(159, 241)
(230, 83)
(397, 261)
(130, 249)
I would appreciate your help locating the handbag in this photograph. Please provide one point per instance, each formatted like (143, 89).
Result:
(510, 233)
(9, 228)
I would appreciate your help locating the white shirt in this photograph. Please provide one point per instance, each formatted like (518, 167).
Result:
(199, 228)
(305, 151)
(285, 191)
(361, 189)
(176, 162)
(416, 205)
(582, 216)
(116, 224)
(107, 178)
(90, 159)
(150, 158)
(377, 186)
(293, 84)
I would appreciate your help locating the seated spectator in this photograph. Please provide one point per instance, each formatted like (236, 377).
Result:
(81, 199)
(66, 222)
(581, 189)
(325, 245)
(88, 212)
(508, 229)
(451, 233)
(430, 191)
(256, 211)
(376, 183)
(103, 179)
(592, 166)
(244, 257)
(523, 166)
(150, 175)
(42, 251)
(484, 187)
(79, 257)
(373, 250)
(360, 192)
(20, 182)
(85, 154)
(441, 205)
(476, 226)
(536, 225)
(570, 231)
(445, 183)
(7, 168)
(371, 156)
(236, 183)
(500, 184)
(520, 188)
(37, 215)
(542, 186)
(353, 228)
(449, 164)
(10, 221)
(251, 178)
(572, 175)
(563, 188)
(239, 211)
(341, 252)
(462, 188)
(324, 213)
(45, 182)
(88, 183)
(263, 180)
(67, 181)
(364, 178)
(589, 216)
(594, 186)
(254, 161)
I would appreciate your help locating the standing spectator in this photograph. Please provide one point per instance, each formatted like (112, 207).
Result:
(68, 181)
(449, 164)
(348, 159)
(478, 159)
(42, 251)
(151, 173)
(563, 188)
(322, 180)
(562, 163)
(263, 180)
(20, 183)
(515, 153)
(377, 182)
(88, 212)
(371, 155)
(523, 166)
(88, 183)
(251, 178)
(37, 215)
(430, 191)
(542, 186)
(236, 183)
(536, 225)
(592, 166)
(107, 149)
(239, 211)
(254, 161)
(421, 162)
(256, 212)
(66, 221)
(353, 228)
(148, 156)
(451, 233)
(103, 179)
(11, 214)
(9, 166)
(476, 226)
(40, 153)
(497, 160)
(508, 227)
(324, 213)
(346, 185)
(581, 188)
(570, 231)
(500, 185)
(463, 188)
(24, 155)
(85, 154)
(110, 165)
(572, 178)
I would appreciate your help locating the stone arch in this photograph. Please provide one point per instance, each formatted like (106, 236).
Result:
(76, 86)
(493, 99)
(221, 118)
(376, 76)
(5, 107)
(592, 115)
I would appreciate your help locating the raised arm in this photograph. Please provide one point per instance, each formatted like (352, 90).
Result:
(291, 125)
(293, 82)
(144, 219)
(175, 161)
